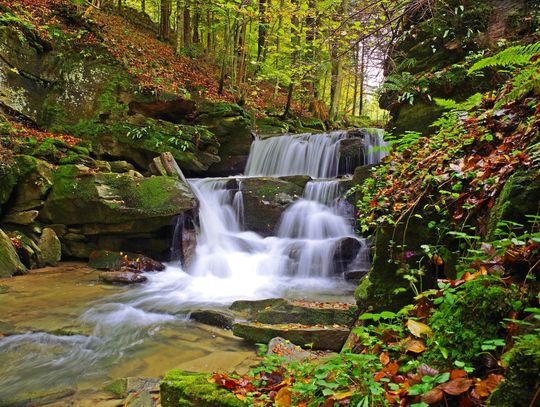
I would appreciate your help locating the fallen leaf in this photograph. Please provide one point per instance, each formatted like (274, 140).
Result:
(384, 358)
(415, 346)
(485, 387)
(283, 397)
(456, 386)
(457, 373)
(342, 396)
(433, 396)
(418, 328)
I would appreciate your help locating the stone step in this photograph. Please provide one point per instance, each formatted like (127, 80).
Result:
(316, 337)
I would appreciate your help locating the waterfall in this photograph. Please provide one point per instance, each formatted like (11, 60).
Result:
(375, 148)
(316, 155)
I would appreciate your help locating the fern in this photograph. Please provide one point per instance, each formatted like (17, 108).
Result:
(510, 57)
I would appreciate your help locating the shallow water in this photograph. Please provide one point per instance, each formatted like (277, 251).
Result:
(63, 329)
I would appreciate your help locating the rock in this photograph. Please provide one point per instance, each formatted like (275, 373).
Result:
(102, 166)
(355, 275)
(34, 185)
(221, 318)
(107, 260)
(288, 350)
(51, 249)
(182, 389)
(307, 313)
(166, 165)
(80, 196)
(121, 166)
(519, 197)
(121, 277)
(265, 199)
(28, 251)
(10, 264)
(253, 306)
(21, 218)
(351, 154)
(314, 337)
(361, 173)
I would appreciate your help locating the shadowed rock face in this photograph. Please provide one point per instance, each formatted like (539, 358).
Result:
(174, 111)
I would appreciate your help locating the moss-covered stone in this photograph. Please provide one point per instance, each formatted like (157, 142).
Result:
(519, 197)
(521, 376)
(314, 337)
(182, 389)
(82, 196)
(10, 263)
(307, 314)
(51, 249)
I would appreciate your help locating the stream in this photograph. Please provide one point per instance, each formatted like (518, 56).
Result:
(110, 332)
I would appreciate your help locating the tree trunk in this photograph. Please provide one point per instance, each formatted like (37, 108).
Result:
(196, 20)
(295, 42)
(355, 93)
(165, 19)
(263, 29)
(187, 25)
(143, 6)
(179, 26)
(336, 82)
(362, 76)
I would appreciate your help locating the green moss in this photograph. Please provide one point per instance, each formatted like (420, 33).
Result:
(361, 292)
(221, 109)
(118, 387)
(463, 325)
(182, 389)
(521, 376)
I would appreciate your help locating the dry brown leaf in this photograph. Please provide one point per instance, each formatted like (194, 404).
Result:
(485, 387)
(456, 386)
(433, 396)
(415, 346)
(283, 397)
(418, 328)
(384, 358)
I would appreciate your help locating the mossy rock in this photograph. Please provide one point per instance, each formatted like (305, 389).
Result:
(10, 264)
(521, 376)
(417, 117)
(81, 196)
(270, 126)
(307, 314)
(182, 389)
(314, 337)
(519, 197)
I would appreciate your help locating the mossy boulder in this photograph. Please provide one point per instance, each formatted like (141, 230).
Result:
(183, 389)
(81, 196)
(10, 263)
(108, 260)
(308, 313)
(319, 337)
(51, 249)
(521, 376)
(265, 199)
(519, 197)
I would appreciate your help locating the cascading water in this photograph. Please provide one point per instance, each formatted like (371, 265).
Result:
(315, 155)
(375, 146)
(229, 263)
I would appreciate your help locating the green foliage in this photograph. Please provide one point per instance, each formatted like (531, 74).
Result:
(509, 57)
(469, 317)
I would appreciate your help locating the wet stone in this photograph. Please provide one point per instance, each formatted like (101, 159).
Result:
(121, 277)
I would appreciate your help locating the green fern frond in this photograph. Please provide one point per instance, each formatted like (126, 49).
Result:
(510, 57)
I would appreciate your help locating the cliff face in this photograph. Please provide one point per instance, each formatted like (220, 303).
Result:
(438, 44)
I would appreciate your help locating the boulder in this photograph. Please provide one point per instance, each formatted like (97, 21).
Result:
(121, 166)
(265, 199)
(221, 318)
(253, 306)
(28, 251)
(313, 337)
(122, 277)
(51, 249)
(10, 264)
(351, 152)
(307, 313)
(288, 350)
(81, 196)
(183, 389)
(21, 218)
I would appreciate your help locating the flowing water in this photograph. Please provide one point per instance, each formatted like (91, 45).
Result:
(145, 330)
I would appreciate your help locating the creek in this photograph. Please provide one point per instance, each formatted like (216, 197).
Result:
(65, 330)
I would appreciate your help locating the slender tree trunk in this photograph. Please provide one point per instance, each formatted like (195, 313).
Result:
(209, 30)
(356, 63)
(165, 19)
(143, 6)
(337, 72)
(362, 76)
(227, 39)
(179, 26)
(263, 29)
(187, 25)
(196, 21)
(295, 43)
(241, 52)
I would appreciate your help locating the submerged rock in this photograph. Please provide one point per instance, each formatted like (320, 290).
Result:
(221, 318)
(314, 337)
(122, 277)
(182, 389)
(10, 263)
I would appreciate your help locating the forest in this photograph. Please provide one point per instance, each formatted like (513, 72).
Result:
(269, 203)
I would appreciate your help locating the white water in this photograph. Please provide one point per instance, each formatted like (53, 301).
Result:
(230, 263)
